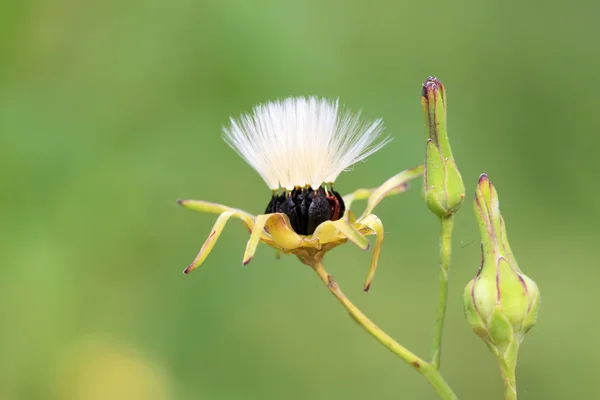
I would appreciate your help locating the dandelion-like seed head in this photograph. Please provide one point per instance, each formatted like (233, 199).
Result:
(299, 146)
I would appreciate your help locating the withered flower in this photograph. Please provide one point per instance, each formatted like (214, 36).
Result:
(299, 146)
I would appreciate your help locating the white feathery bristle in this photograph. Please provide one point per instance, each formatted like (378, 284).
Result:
(302, 141)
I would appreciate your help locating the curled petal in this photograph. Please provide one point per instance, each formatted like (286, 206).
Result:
(353, 235)
(212, 239)
(282, 235)
(274, 230)
(374, 224)
(359, 194)
(396, 184)
(215, 208)
(327, 232)
(257, 233)
(350, 216)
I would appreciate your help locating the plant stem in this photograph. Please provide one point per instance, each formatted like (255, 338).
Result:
(424, 368)
(509, 378)
(447, 223)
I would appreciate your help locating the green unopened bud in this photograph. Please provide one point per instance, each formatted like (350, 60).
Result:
(443, 189)
(501, 303)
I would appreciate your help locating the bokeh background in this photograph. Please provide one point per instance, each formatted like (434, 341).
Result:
(111, 111)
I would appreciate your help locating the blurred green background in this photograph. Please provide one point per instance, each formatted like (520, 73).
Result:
(111, 111)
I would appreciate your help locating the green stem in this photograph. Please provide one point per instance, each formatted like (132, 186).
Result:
(424, 368)
(447, 223)
(508, 364)
(510, 380)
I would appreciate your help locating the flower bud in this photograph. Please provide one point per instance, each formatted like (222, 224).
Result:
(501, 303)
(443, 189)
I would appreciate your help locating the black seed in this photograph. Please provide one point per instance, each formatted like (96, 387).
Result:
(271, 207)
(319, 211)
(298, 225)
(289, 208)
(279, 202)
(307, 208)
(287, 205)
(307, 199)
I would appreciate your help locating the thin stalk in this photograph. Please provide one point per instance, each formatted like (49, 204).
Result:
(424, 368)
(510, 381)
(447, 223)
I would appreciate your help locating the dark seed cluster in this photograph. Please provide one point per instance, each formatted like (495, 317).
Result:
(307, 208)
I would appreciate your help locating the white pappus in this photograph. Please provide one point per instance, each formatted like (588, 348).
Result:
(303, 141)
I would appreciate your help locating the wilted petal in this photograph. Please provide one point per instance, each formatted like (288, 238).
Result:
(327, 232)
(215, 208)
(396, 184)
(359, 194)
(283, 236)
(212, 239)
(373, 223)
(353, 235)
(255, 236)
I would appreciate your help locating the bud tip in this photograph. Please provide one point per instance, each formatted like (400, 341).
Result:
(431, 84)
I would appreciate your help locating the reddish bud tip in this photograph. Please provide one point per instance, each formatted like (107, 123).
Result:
(432, 84)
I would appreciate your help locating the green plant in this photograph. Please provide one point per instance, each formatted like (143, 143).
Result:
(501, 303)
